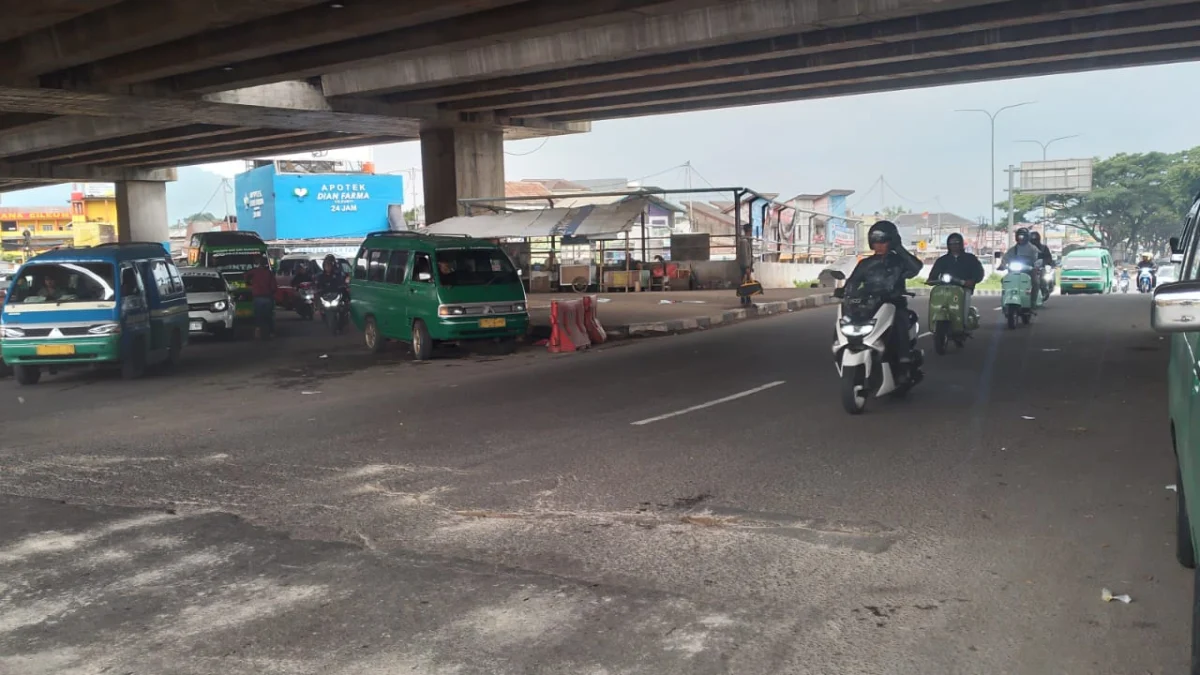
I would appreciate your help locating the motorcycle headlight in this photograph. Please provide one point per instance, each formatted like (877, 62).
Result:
(1016, 267)
(13, 332)
(219, 306)
(451, 310)
(105, 329)
(851, 329)
(946, 278)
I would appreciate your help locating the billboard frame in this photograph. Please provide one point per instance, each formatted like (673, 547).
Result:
(1056, 176)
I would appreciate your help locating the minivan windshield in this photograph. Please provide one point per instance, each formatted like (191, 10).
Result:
(62, 283)
(475, 267)
(228, 262)
(203, 284)
(1082, 263)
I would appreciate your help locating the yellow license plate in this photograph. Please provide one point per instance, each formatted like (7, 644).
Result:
(1078, 285)
(245, 312)
(492, 323)
(55, 350)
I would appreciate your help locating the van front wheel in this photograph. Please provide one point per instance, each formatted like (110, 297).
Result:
(422, 344)
(28, 375)
(372, 336)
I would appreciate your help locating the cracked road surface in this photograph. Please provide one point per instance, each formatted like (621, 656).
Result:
(506, 515)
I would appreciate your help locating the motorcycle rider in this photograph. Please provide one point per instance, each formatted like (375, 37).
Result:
(1147, 263)
(303, 275)
(1124, 279)
(883, 274)
(1046, 257)
(958, 264)
(1024, 252)
(331, 277)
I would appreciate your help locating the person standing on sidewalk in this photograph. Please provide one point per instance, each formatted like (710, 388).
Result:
(745, 258)
(261, 281)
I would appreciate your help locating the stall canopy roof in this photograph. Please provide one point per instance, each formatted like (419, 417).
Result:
(593, 221)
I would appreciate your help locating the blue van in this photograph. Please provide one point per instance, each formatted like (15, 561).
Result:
(120, 304)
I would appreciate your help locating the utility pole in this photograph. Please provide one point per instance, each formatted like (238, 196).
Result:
(1012, 171)
(992, 121)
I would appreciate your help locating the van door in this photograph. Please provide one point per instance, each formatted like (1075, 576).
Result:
(1183, 380)
(394, 324)
(421, 300)
(135, 309)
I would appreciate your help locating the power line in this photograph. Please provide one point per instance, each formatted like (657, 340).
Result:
(866, 194)
(902, 197)
(523, 154)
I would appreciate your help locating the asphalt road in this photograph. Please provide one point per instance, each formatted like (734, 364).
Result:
(507, 515)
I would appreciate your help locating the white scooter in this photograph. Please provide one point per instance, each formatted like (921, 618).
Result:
(1123, 284)
(861, 354)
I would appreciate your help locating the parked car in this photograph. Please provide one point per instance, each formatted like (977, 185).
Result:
(121, 304)
(211, 307)
(423, 289)
(1173, 311)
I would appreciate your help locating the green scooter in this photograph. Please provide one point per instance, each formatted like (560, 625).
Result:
(951, 315)
(1017, 298)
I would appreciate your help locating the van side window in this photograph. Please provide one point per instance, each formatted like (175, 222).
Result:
(1187, 243)
(422, 264)
(360, 264)
(162, 278)
(397, 266)
(176, 279)
(377, 264)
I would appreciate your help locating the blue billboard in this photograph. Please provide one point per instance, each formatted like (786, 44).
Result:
(317, 205)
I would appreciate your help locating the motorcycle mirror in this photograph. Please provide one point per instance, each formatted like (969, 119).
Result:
(839, 292)
(837, 274)
(1175, 249)
(424, 276)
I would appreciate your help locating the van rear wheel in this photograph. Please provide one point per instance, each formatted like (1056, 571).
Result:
(28, 375)
(422, 344)
(133, 365)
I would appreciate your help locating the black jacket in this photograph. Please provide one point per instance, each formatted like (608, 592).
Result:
(883, 275)
(965, 266)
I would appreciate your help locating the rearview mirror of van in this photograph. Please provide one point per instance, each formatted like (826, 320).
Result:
(1175, 248)
(1176, 307)
(424, 276)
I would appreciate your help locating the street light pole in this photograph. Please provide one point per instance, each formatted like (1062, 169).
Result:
(992, 120)
(1045, 146)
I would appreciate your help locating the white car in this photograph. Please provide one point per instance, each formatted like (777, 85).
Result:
(210, 307)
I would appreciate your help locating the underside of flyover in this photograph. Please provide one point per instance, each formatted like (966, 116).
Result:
(127, 89)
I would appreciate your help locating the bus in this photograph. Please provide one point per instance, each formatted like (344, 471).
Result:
(231, 254)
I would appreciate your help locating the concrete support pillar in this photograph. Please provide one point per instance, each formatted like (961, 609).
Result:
(142, 211)
(460, 164)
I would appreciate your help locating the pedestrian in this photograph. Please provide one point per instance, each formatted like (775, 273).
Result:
(745, 259)
(262, 288)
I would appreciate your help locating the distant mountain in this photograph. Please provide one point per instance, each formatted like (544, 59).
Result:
(197, 190)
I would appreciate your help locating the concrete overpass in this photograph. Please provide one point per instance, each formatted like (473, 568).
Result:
(123, 90)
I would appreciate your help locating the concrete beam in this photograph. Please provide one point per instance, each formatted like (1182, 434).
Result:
(232, 138)
(294, 31)
(40, 171)
(22, 18)
(60, 132)
(287, 114)
(1023, 57)
(942, 23)
(308, 143)
(1082, 63)
(126, 26)
(799, 69)
(18, 184)
(127, 143)
(724, 23)
(531, 17)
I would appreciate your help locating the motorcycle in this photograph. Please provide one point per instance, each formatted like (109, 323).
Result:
(1017, 298)
(335, 310)
(1047, 277)
(861, 351)
(950, 313)
(305, 299)
(1145, 282)
(1123, 284)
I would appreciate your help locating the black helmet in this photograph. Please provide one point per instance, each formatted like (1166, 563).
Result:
(882, 231)
(1035, 237)
(954, 238)
(1022, 235)
(330, 259)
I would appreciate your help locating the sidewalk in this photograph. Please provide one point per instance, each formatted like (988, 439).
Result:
(630, 314)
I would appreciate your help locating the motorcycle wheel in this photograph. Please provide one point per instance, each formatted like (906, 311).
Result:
(941, 337)
(1026, 318)
(1011, 315)
(854, 394)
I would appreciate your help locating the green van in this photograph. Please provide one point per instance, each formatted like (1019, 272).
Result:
(1086, 270)
(424, 289)
(1174, 311)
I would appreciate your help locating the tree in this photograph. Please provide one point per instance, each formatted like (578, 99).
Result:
(890, 212)
(1023, 204)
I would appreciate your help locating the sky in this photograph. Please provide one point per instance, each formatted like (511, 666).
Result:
(931, 157)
